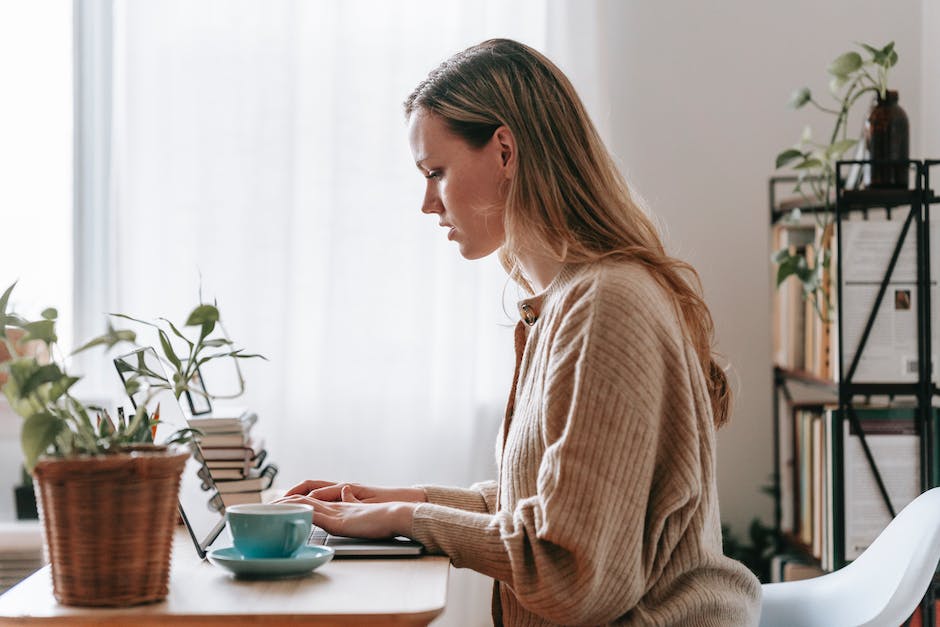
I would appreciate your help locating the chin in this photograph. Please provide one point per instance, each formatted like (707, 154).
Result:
(472, 254)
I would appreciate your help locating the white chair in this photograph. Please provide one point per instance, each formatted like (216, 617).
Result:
(881, 588)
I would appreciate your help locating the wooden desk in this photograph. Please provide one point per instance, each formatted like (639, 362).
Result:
(384, 591)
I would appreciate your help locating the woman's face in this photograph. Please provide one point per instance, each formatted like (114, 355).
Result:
(465, 185)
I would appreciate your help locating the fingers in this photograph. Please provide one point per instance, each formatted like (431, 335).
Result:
(305, 487)
(319, 507)
(348, 496)
(332, 492)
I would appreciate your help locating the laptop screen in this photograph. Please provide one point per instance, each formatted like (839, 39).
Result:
(199, 503)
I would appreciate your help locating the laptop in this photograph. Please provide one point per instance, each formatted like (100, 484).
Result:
(200, 505)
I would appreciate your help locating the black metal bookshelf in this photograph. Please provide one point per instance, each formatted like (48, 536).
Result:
(913, 206)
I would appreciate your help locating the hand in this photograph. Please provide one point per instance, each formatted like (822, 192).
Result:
(333, 491)
(355, 519)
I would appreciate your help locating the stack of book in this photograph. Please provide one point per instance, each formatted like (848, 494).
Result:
(20, 551)
(832, 506)
(233, 456)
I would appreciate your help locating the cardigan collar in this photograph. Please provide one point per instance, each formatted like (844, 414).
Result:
(530, 308)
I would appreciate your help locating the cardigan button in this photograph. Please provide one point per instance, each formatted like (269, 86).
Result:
(528, 314)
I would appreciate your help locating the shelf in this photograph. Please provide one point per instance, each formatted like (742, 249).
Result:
(808, 378)
(879, 198)
(881, 389)
(853, 389)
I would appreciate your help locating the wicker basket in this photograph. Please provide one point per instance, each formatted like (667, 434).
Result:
(109, 524)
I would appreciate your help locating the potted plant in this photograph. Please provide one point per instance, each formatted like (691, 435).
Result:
(106, 494)
(851, 77)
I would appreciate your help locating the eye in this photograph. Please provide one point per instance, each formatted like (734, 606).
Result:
(433, 174)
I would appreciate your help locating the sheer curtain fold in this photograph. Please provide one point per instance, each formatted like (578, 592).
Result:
(260, 155)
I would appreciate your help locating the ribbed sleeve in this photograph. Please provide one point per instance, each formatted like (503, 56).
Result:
(607, 511)
(480, 497)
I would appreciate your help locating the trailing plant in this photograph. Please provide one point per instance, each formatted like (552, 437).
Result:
(38, 389)
(852, 75)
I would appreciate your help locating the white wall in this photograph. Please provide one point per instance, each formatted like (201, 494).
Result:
(930, 79)
(697, 115)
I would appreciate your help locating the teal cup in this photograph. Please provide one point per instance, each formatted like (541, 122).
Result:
(269, 530)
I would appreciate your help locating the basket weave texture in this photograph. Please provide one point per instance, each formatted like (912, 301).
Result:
(109, 524)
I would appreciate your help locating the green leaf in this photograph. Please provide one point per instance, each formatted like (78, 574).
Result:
(22, 369)
(21, 406)
(44, 374)
(845, 64)
(40, 330)
(168, 350)
(790, 265)
(780, 256)
(787, 156)
(105, 425)
(836, 83)
(139, 423)
(837, 149)
(50, 313)
(808, 163)
(5, 299)
(240, 355)
(202, 315)
(132, 386)
(871, 50)
(39, 432)
(126, 317)
(60, 387)
(799, 98)
(892, 59)
(177, 332)
(109, 339)
(216, 343)
(86, 432)
(183, 436)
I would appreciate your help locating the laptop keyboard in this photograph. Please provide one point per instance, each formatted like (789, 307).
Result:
(317, 536)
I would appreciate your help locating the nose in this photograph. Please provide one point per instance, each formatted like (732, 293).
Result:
(431, 203)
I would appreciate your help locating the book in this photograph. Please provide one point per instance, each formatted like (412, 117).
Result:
(810, 316)
(825, 318)
(890, 352)
(243, 465)
(221, 440)
(227, 473)
(246, 453)
(225, 424)
(258, 481)
(891, 435)
(818, 503)
(789, 309)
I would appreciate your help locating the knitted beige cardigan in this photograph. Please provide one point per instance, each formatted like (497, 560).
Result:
(605, 510)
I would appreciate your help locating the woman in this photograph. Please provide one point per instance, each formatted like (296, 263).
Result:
(605, 509)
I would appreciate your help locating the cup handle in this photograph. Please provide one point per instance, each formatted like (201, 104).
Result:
(296, 537)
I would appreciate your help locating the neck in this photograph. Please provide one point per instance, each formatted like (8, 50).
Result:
(540, 271)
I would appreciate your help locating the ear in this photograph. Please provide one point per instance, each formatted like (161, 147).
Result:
(506, 144)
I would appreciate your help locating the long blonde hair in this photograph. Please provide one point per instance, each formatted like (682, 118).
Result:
(568, 198)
